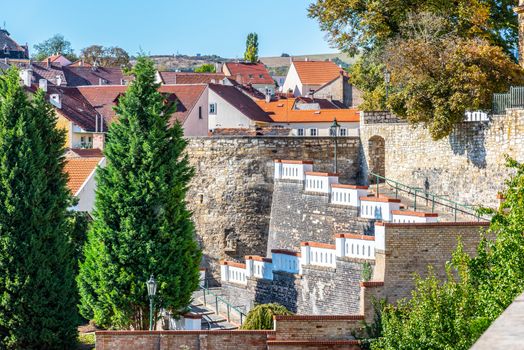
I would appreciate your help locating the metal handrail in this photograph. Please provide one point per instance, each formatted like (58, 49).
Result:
(456, 207)
(228, 305)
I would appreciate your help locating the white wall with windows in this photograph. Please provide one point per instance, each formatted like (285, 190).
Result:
(223, 115)
(321, 129)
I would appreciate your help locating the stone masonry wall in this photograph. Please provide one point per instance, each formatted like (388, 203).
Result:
(318, 290)
(468, 166)
(230, 195)
(298, 216)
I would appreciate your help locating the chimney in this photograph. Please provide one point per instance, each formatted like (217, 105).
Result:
(56, 100)
(268, 97)
(100, 81)
(42, 84)
(58, 80)
(27, 76)
(520, 12)
(48, 62)
(307, 59)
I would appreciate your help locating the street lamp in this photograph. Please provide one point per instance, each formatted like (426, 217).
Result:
(151, 292)
(387, 79)
(334, 132)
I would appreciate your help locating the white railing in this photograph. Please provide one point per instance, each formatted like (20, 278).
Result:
(259, 267)
(378, 208)
(233, 272)
(291, 169)
(348, 194)
(400, 216)
(319, 254)
(320, 182)
(476, 116)
(286, 261)
(355, 246)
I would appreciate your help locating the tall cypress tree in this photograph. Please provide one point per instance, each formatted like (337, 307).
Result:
(141, 225)
(37, 284)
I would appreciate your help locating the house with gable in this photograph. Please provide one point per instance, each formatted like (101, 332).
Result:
(57, 59)
(321, 79)
(253, 75)
(9, 49)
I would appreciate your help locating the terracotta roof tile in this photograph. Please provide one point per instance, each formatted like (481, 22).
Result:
(78, 171)
(281, 111)
(317, 72)
(249, 73)
(190, 78)
(86, 75)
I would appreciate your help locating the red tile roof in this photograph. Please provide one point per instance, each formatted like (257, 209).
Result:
(86, 75)
(78, 171)
(103, 98)
(317, 72)
(249, 73)
(281, 111)
(190, 78)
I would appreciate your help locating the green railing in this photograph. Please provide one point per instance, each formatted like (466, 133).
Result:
(219, 304)
(421, 194)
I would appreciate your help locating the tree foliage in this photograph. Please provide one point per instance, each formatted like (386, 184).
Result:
(251, 54)
(453, 314)
(141, 224)
(206, 68)
(37, 284)
(112, 56)
(54, 45)
(261, 316)
(445, 57)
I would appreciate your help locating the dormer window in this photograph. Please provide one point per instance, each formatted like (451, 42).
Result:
(6, 49)
(250, 76)
(261, 75)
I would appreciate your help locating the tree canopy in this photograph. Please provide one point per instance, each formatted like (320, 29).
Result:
(251, 54)
(141, 224)
(261, 316)
(54, 45)
(206, 68)
(444, 57)
(112, 56)
(453, 314)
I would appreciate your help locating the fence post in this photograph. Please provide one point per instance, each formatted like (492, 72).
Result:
(216, 304)
(228, 318)
(376, 179)
(433, 206)
(241, 318)
(455, 212)
(205, 302)
(415, 202)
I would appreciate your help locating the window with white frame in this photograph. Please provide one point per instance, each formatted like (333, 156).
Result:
(313, 132)
(300, 132)
(212, 108)
(332, 132)
(343, 132)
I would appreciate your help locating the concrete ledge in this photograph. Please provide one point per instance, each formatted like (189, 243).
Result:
(507, 332)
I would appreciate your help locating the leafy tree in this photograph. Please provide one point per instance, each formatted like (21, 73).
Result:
(261, 316)
(436, 78)
(284, 55)
(206, 68)
(105, 56)
(55, 45)
(453, 314)
(358, 25)
(251, 54)
(37, 284)
(462, 52)
(141, 224)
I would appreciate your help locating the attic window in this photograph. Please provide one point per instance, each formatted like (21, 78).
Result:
(261, 75)
(250, 76)
(6, 49)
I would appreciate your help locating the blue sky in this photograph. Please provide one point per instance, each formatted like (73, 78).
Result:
(169, 26)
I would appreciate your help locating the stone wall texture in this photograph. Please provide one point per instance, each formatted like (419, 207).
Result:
(299, 216)
(318, 290)
(230, 195)
(468, 166)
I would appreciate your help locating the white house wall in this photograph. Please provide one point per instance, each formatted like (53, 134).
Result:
(86, 194)
(293, 82)
(227, 115)
(322, 128)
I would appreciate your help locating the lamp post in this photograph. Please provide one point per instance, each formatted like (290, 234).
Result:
(334, 132)
(387, 79)
(151, 292)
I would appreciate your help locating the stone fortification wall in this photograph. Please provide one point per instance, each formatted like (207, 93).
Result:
(230, 195)
(467, 166)
(298, 216)
(318, 290)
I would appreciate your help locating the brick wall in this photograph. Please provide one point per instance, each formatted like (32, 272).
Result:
(410, 248)
(171, 340)
(307, 327)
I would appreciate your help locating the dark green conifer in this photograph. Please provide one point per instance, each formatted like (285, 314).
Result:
(141, 224)
(37, 284)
